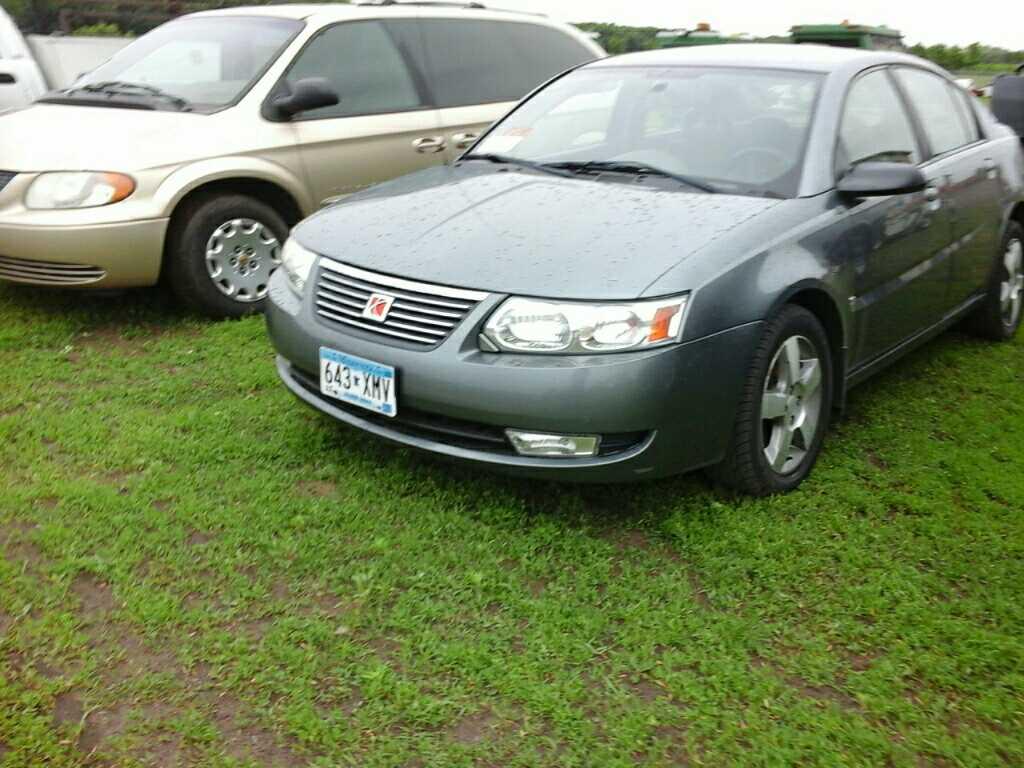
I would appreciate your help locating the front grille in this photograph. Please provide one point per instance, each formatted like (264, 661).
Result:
(456, 432)
(421, 313)
(5, 178)
(48, 272)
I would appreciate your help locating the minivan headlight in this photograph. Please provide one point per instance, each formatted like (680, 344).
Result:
(552, 327)
(298, 263)
(51, 191)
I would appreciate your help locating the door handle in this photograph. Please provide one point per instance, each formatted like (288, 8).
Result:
(991, 168)
(464, 140)
(933, 195)
(429, 145)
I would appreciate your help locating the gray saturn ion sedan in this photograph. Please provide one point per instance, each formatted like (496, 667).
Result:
(661, 262)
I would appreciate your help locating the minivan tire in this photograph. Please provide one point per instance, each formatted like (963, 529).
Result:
(193, 229)
(988, 321)
(746, 467)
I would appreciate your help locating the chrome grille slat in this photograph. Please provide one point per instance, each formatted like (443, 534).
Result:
(379, 329)
(421, 312)
(48, 272)
(398, 294)
(429, 321)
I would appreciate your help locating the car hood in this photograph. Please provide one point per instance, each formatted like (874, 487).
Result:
(58, 137)
(525, 232)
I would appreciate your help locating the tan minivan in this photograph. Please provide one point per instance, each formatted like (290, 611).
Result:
(190, 153)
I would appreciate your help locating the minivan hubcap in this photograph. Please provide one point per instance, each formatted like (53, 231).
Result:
(791, 404)
(1011, 291)
(241, 255)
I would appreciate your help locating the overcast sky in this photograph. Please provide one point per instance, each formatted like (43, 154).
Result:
(994, 22)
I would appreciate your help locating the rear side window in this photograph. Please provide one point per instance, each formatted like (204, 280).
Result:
(482, 62)
(363, 65)
(940, 109)
(875, 125)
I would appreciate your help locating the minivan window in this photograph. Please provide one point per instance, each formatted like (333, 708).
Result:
(363, 65)
(875, 125)
(935, 103)
(210, 62)
(482, 62)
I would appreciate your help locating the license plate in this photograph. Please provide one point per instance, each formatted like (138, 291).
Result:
(358, 382)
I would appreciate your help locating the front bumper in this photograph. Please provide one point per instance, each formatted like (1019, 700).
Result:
(664, 411)
(122, 255)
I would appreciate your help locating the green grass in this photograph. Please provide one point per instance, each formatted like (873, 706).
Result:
(197, 570)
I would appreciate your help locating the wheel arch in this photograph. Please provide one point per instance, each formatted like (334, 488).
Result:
(819, 301)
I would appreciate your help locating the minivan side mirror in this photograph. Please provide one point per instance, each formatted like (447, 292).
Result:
(879, 179)
(306, 94)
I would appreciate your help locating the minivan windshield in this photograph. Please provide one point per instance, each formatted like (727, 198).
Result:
(205, 63)
(731, 130)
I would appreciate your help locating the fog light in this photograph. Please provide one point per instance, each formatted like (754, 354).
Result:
(546, 444)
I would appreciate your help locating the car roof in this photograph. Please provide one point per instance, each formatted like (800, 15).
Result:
(807, 57)
(318, 13)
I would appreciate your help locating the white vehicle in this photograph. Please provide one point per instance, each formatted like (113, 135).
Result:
(21, 80)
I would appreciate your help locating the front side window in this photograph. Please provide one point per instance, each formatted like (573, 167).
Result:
(936, 104)
(364, 66)
(875, 126)
(738, 130)
(209, 62)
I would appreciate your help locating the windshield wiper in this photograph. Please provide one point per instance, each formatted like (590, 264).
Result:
(638, 169)
(119, 87)
(493, 157)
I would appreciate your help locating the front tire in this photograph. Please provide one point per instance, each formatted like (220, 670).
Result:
(222, 250)
(784, 408)
(999, 316)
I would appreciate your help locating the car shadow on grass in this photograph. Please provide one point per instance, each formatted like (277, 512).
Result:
(146, 307)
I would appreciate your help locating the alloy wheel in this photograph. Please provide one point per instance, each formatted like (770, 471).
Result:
(791, 404)
(241, 255)
(1011, 290)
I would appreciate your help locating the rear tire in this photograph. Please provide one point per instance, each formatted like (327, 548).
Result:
(222, 250)
(999, 316)
(784, 408)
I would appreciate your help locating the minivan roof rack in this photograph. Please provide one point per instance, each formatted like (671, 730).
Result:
(471, 5)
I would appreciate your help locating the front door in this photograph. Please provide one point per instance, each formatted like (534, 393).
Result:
(894, 246)
(383, 125)
(964, 160)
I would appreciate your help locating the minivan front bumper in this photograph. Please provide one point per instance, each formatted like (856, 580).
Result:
(659, 412)
(122, 255)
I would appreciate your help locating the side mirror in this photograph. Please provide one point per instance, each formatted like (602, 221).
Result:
(306, 94)
(881, 179)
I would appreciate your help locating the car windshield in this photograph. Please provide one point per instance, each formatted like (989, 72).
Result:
(730, 130)
(206, 62)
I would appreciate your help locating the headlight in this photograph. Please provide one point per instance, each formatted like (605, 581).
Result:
(533, 325)
(297, 263)
(78, 190)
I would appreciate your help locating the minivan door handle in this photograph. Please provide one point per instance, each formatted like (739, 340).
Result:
(933, 195)
(464, 140)
(991, 168)
(429, 145)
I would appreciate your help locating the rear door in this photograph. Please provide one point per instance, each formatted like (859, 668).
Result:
(384, 124)
(963, 160)
(478, 69)
(891, 244)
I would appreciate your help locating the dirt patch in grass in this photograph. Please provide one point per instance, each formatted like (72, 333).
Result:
(94, 595)
(823, 693)
(245, 740)
(67, 709)
(473, 728)
(318, 489)
(198, 538)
